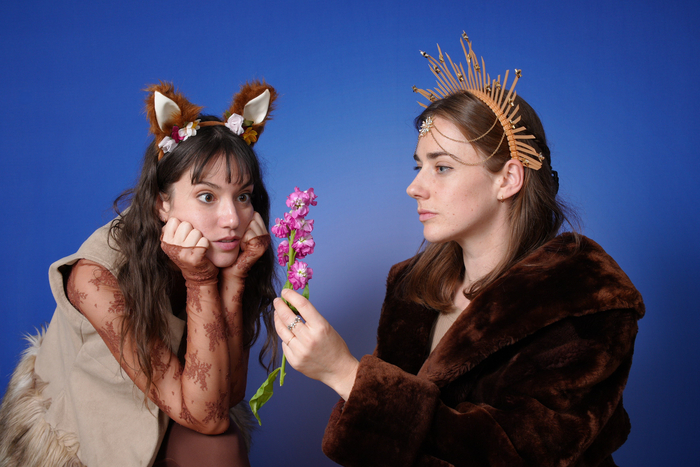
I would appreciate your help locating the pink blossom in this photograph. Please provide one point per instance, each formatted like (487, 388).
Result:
(304, 226)
(299, 274)
(292, 222)
(299, 202)
(304, 245)
(283, 253)
(281, 228)
(312, 196)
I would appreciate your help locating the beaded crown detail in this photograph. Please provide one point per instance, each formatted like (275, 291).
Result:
(491, 92)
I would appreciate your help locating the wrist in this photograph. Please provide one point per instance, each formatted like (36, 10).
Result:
(345, 381)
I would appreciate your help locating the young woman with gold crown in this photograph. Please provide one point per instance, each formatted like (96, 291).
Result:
(156, 312)
(504, 342)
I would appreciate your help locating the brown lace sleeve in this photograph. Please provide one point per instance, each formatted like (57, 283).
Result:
(195, 395)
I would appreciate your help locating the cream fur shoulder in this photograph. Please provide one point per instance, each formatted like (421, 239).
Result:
(26, 439)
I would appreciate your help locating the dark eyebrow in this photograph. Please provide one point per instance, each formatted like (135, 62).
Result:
(209, 184)
(433, 155)
(217, 187)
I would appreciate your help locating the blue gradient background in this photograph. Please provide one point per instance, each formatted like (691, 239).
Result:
(614, 83)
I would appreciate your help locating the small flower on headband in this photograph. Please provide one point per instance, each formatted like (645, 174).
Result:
(167, 144)
(175, 134)
(235, 124)
(189, 130)
(250, 136)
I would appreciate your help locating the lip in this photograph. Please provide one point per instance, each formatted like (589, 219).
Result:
(227, 243)
(424, 215)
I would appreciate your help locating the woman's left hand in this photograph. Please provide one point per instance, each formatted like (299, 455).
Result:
(313, 347)
(253, 244)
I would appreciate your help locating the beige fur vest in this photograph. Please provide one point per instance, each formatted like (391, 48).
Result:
(68, 402)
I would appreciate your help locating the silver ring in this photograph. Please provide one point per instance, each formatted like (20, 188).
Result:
(294, 323)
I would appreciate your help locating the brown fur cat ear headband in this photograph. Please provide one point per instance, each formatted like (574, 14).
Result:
(174, 119)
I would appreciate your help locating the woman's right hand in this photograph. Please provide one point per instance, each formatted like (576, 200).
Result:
(187, 248)
(313, 347)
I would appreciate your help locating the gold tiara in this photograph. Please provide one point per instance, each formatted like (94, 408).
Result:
(491, 92)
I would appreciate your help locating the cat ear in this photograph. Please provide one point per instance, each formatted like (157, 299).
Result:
(255, 103)
(165, 108)
(166, 111)
(256, 109)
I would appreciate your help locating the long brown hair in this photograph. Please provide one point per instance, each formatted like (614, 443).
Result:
(144, 275)
(536, 214)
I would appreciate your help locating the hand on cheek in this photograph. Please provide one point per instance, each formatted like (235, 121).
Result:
(187, 248)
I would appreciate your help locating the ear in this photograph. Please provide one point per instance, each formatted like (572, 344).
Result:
(166, 111)
(163, 207)
(256, 109)
(255, 102)
(511, 178)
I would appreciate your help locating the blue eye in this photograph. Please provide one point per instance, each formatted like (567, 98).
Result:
(442, 169)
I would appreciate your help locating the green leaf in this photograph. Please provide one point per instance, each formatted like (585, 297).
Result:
(305, 292)
(263, 394)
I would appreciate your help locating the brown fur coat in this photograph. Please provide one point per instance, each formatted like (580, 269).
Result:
(530, 374)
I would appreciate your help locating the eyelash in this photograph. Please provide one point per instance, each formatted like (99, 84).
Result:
(437, 168)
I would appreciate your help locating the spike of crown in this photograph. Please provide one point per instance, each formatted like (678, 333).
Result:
(490, 91)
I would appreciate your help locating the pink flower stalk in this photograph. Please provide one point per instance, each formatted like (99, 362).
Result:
(283, 253)
(299, 274)
(304, 245)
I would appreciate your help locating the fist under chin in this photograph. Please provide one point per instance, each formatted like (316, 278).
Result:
(223, 259)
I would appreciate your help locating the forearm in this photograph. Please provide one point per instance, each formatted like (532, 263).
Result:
(205, 378)
(231, 291)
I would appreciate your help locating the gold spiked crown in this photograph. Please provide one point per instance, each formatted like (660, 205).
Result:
(491, 92)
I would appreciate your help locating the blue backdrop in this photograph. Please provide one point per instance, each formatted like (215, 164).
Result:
(614, 83)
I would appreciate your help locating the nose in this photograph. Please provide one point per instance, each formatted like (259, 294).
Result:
(228, 215)
(416, 190)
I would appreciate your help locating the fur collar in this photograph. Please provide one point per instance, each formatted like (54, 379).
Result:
(555, 282)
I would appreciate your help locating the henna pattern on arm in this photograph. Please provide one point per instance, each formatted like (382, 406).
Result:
(216, 332)
(75, 296)
(185, 413)
(216, 410)
(110, 337)
(159, 402)
(197, 370)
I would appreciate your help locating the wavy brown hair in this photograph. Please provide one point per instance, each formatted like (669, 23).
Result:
(536, 214)
(145, 276)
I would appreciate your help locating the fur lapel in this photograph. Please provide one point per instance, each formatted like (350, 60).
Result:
(553, 283)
